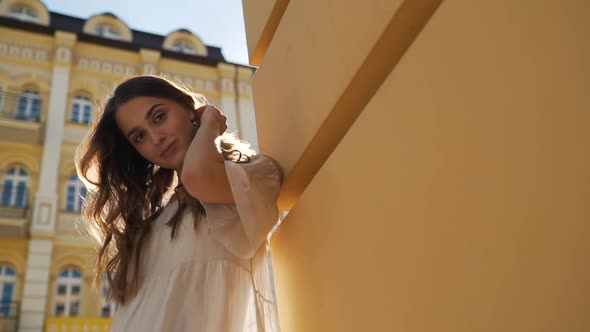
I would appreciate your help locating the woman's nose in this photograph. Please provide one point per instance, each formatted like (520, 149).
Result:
(158, 137)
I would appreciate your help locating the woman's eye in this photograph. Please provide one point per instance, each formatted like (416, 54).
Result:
(159, 118)
(138, 138)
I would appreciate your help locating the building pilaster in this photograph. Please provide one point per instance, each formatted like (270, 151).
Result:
(35, 292)
(149, 61)
(228, 104)
(246, 107)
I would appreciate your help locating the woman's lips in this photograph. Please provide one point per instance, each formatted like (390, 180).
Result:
(168, 150)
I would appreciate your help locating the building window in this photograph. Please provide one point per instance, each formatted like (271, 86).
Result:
(29, 106)
(81, 110)
(68, 293)
(183, 47)
(107, 308)
(75, 194)
(107, 31)
(23, 13)
(7, 288)
(14, 187)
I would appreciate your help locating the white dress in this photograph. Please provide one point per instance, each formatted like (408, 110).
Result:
(217, 277)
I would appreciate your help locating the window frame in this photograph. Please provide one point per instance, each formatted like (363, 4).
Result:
(69, 281)
(7, 279)
(31, 111)
(104, 304)
(18, 177)
(106, 30)
(71, 203)
(83, 115)
(26, 13)
(186, 47)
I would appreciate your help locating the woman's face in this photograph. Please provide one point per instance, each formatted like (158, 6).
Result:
(160, 129)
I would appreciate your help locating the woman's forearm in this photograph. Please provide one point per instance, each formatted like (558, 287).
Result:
(203, 172)
(203, 154)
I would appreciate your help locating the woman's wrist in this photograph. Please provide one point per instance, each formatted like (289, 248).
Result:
(211, 124)
(212, 118)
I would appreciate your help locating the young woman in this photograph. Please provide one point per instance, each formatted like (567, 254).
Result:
(181, 211)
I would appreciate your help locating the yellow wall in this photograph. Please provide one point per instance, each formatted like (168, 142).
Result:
(458, 199)
(263, 18)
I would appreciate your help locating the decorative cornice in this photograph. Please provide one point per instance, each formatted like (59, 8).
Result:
(23, 52)
(198, 84)
(104, 66)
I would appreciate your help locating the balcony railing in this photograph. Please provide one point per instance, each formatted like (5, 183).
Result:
(21, 106)
(14, 115)
(14, 212)
(9, 316)
(13, 204)
(77, 324)
(20, 118)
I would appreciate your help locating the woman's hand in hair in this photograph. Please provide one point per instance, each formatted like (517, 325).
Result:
(203, 172)
(211, 116)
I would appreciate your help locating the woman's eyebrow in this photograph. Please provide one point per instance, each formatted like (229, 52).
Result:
(148, 115)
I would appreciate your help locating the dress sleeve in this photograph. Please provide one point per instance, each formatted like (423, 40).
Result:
(242, 227)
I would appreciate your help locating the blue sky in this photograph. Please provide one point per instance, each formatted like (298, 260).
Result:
(217, 22)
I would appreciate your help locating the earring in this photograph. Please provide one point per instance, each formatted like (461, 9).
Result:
(150, 173)
(195, 120)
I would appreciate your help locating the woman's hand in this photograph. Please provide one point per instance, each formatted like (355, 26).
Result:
(211, 117)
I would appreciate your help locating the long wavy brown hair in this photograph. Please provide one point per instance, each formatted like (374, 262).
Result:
(126, 193)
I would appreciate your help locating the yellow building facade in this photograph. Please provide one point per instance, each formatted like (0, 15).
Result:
(436, 161)
(54, 72)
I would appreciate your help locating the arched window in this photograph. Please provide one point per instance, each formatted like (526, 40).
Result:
(68, 293)
(107, 308)
(29, 106)
(75, 194)
(23, 13)
(107, 31)
(107, 25)
(14, 187)
(184, 47)
(81, 110)
(182, 40)
(7, 289)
